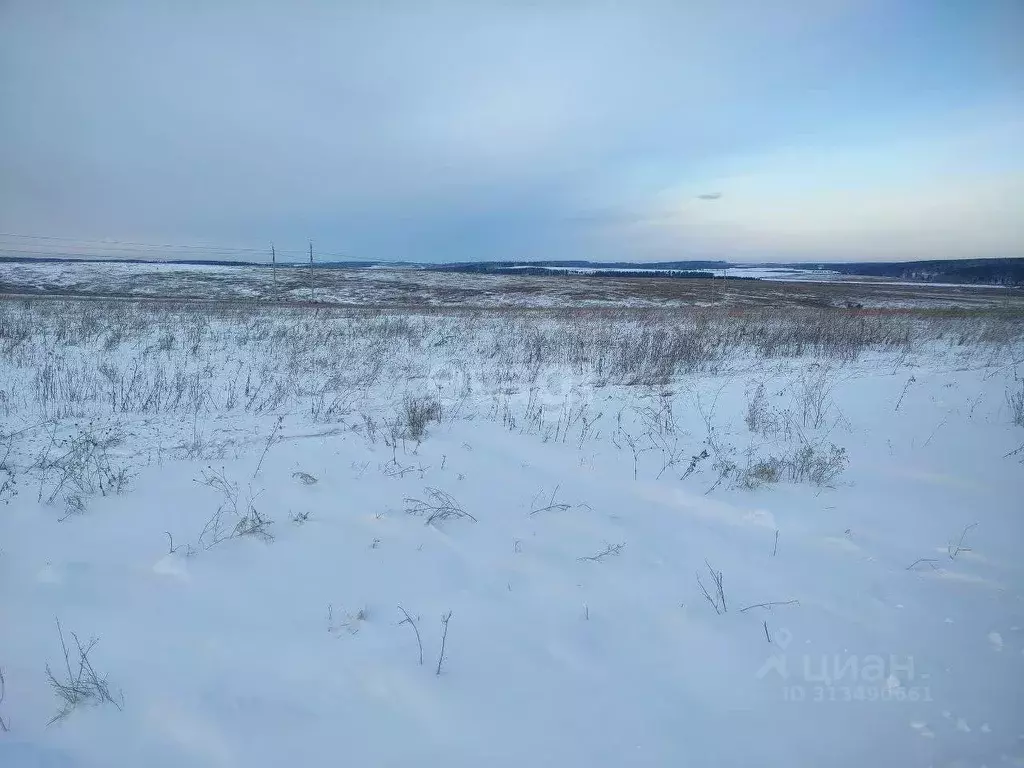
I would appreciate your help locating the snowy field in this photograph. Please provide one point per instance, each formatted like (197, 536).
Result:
(246, 535)
(409, 286)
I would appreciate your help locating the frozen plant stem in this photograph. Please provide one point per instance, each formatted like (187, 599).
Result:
(5, 725)
(770, 605)
(408, 620)
(717, 602)
(270, 440)
(551, 505)
(611, 549)
(937, 428)
(954, 550)
(444, 636)
(437, 507)
(85, 686)
(170, 543)
(906, 386)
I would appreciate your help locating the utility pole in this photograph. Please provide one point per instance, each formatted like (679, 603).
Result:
(273, 268)
(311, 293)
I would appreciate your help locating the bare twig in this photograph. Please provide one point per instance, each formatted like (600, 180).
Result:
(391, 468)
(930, 560)
(906, 386)
(408, 620)
(44, 461)
(608, 551)
(636, 449)
(444, 637)
(999, 368)
(551, 505)
(18, 432)
(5, 725)
(695, 460)
(437, 507)
(954, 550)
(775, 549)
(718, 602)
(82, 687)
(270, 441)
(767, 636)
(770, 605)
(937, 428)
(718, 585)
(707, 595)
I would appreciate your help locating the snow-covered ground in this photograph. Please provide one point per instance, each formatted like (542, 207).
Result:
(272, 521)
(787, 274)
(388, 287)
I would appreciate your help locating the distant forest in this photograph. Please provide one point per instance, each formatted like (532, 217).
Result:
(580, 271)
(987, 271)
(1008, 272)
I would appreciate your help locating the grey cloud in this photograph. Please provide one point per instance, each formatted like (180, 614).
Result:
(405, 130)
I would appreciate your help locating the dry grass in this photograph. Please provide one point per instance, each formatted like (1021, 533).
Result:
(1015, 400)
(437, 506)
(392, 374)
(68, 359)
(82, 686)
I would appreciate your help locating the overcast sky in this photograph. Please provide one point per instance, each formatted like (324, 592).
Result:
(446, 130)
